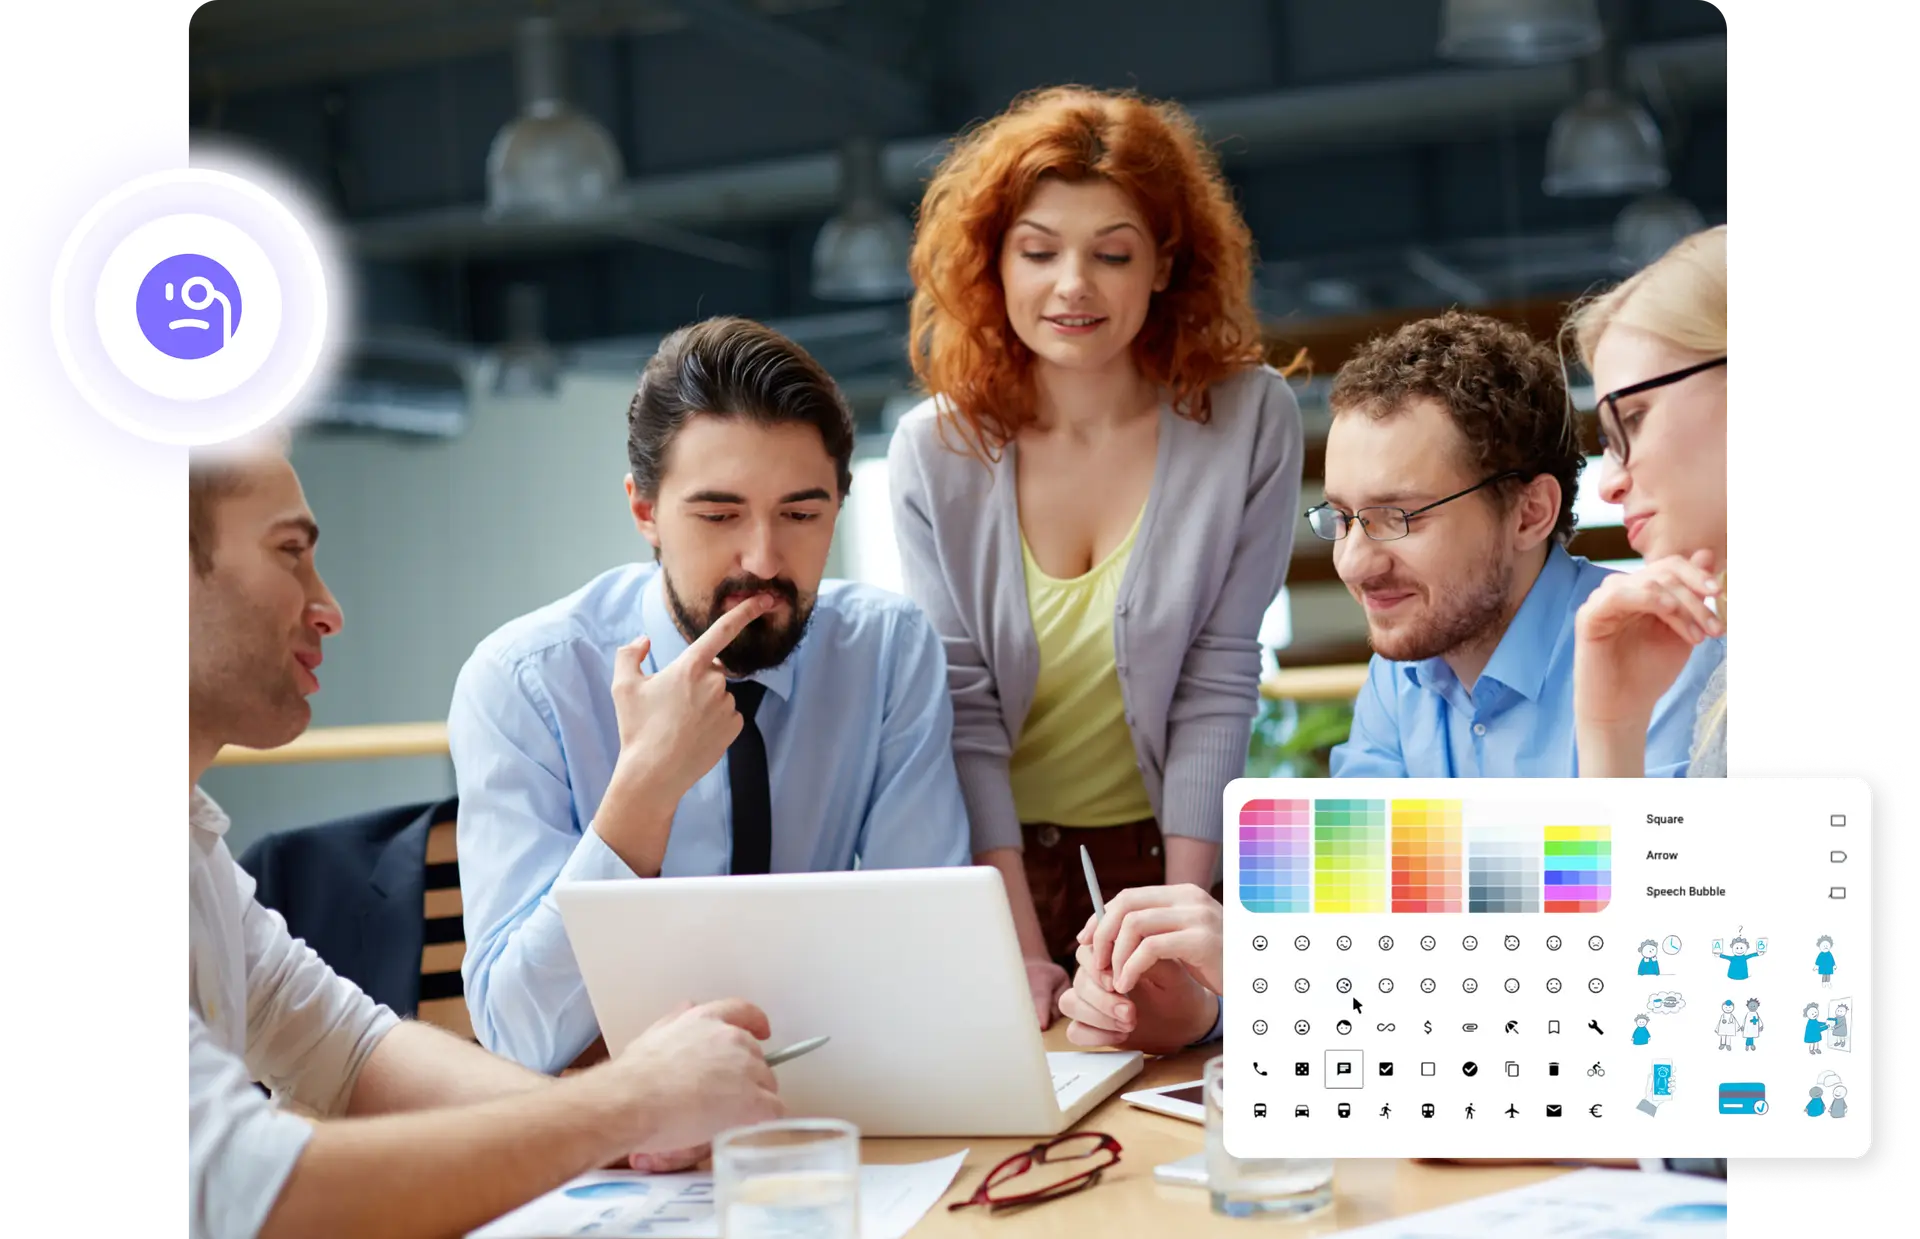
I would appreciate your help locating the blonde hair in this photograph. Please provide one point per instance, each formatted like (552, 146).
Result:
(1680, 297)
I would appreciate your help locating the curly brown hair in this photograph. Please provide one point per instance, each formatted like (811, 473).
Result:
(1503, 389)
(1200, 330)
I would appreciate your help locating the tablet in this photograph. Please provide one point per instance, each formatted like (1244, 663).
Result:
(1181, 1101)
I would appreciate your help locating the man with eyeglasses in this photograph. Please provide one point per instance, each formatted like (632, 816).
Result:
(1452, 465)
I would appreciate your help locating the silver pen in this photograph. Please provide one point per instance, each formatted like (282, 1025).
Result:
(1093, 885)
(796, 1050)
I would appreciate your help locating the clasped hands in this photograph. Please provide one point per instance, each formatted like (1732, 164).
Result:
(1149, 973)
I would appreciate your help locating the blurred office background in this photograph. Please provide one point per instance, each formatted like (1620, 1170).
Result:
(532, 194)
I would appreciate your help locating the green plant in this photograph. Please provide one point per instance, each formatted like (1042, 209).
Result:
(1293, 740)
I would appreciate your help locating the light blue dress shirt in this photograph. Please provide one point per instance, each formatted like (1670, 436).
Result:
(859, 733)
(1416, 720)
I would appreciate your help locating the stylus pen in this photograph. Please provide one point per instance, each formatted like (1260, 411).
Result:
(1093, 885)
(796, 1050)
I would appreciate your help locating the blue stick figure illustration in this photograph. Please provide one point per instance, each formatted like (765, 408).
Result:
(1640, 1034)
(1815, 1107)
(1754, 1025)
(1823, 962)
(1737, 956)
(1838, 1106)
(1649, 958)
(1815, 1027)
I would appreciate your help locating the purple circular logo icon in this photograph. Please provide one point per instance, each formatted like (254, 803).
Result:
(188, 306)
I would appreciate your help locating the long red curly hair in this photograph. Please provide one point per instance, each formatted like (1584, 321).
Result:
(1199, 330)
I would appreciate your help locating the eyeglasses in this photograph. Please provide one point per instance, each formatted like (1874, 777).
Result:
(1003, 1188)
(1386, 524)
(1613, 432)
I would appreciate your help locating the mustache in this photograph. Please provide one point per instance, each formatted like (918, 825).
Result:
(746, 586)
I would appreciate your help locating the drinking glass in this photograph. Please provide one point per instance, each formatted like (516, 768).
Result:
(1263, 1186)
(790, 1179)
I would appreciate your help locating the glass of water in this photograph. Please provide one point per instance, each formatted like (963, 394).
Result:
(1259, 1187)
(790, 1179)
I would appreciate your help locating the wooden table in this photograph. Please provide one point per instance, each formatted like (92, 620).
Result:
(1128, 1201)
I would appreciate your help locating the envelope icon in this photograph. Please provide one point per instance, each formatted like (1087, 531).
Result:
(1553, 1111)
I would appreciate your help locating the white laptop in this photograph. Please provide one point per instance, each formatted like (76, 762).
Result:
(915, 974)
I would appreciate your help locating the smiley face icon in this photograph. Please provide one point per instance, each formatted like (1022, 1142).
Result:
(1386, 985)
(1259, 985)
(1301, 1027)
(1594, 986)
(1386, 943)
(1259, 942)
(1426, 985)
(1553, 942)
(1513, 985)
(1470, 942)
(1300, 986)
(1343, 985)
(1595, 943)
(1512, 942)
(1301, 943)
(1553, 985)
(1426, 942)
(1470, 985)
(1259, 1028)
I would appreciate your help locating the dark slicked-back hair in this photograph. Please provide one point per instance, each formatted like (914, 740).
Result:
(732, 367)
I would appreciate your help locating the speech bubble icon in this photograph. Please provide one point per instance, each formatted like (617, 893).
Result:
(1665, 1003)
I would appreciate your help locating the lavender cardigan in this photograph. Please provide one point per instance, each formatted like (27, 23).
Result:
(1209, 558)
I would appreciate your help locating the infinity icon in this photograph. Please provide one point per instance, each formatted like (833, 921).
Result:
(1383, 1028)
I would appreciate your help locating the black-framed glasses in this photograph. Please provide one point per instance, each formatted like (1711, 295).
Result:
(1613, 432)
(1386, 524)
(1047, 1171)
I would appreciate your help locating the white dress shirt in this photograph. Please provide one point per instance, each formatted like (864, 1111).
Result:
(260, 1006)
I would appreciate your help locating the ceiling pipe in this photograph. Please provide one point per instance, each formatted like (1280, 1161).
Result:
(1441, 105)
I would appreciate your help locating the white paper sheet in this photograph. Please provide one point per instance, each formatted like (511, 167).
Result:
(1593, 1203)
(616, 1203)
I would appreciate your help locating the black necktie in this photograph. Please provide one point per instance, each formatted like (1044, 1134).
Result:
(747, 779)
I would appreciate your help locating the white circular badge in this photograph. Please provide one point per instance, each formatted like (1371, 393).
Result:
(191, 307)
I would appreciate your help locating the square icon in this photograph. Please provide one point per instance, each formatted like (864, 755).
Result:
(1386, 1069)
(1513, 1068)
(1838, 819)
(1301, 1069)
(1344, 1068)
(1836, 892)
(1427, 1069)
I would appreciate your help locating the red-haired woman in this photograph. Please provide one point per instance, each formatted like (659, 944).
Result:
(1096, 506)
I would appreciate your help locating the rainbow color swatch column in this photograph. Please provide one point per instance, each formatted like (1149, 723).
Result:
(1276, 843)
(1427, 860)
(1349, 855)
(1579, 865)
(1503, 869)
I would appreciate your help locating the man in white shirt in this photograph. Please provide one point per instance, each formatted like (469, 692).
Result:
(418, 1132)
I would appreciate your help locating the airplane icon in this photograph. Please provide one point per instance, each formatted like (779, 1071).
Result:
(1512, 1113)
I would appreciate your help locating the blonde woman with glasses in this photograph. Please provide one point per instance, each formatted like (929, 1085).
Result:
(1657, 349)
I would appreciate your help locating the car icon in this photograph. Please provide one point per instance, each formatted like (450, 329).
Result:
(1300, 1111)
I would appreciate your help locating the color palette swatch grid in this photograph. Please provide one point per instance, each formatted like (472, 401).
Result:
(1579, 868)
(1349, 855)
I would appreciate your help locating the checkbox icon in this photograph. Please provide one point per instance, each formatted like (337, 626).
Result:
(1427, 1069)
(1386, 1069)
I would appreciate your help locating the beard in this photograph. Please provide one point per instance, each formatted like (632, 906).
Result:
(1456, 616)
(764, 644)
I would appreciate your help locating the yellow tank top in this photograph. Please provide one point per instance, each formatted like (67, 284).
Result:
(1074, 764)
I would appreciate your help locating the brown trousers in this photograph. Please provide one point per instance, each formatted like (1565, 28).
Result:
(1124, 856)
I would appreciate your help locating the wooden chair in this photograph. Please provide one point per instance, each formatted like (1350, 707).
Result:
(443, 999)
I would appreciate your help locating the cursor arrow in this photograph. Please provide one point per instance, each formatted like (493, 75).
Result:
(1356, 1004)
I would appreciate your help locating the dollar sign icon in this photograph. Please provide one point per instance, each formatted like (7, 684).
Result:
(1429, 1025)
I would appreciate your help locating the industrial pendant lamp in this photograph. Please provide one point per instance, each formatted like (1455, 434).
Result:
(861, 253)
(1519, 32)
(551, 160)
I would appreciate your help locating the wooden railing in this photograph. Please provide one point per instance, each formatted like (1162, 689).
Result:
(381, 740)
